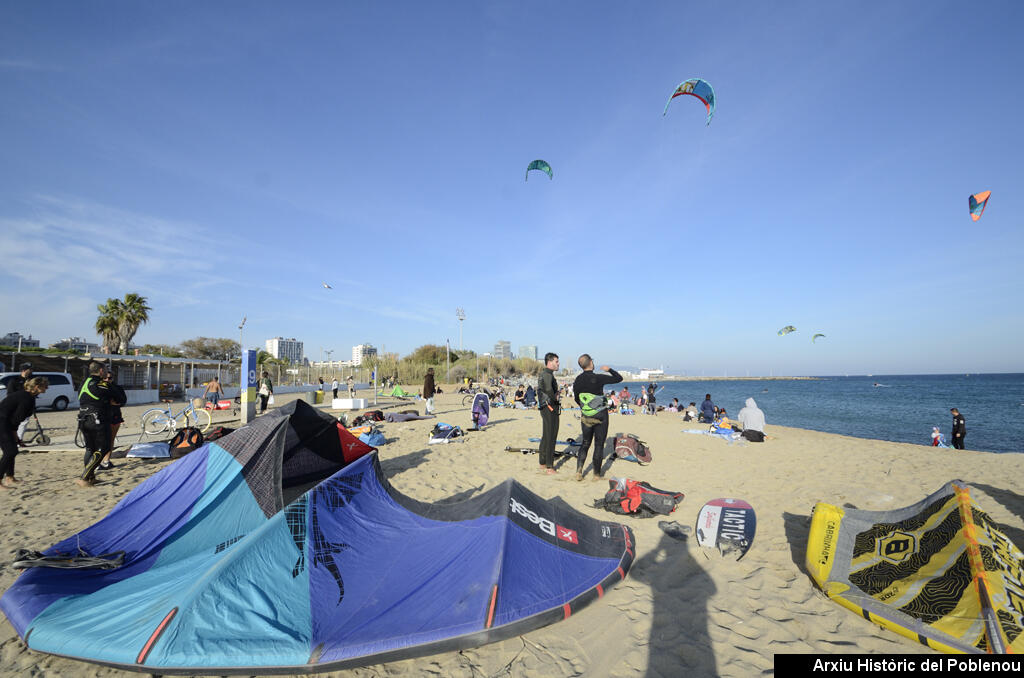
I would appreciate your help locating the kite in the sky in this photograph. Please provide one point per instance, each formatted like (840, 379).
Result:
(786, 330)
(326, 286)
(977, 204)
(699, 88)
(815, 337)
(541, 165)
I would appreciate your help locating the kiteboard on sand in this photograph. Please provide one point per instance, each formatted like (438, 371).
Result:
(727, 525)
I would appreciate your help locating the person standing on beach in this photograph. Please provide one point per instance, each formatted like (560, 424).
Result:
(547, 400)
(351, 386)
(588, 391)
(334, 387)
(14, 409)
(117, 398)
(94, 420)
(959, 429)
(707, 410)
(266, 390)
(428, 391)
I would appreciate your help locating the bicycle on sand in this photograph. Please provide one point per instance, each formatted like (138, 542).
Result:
(157, 420)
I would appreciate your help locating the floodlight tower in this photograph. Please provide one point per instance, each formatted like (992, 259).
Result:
(461, 315)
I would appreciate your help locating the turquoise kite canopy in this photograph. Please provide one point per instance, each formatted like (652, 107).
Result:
(283, 548)
(541, 165)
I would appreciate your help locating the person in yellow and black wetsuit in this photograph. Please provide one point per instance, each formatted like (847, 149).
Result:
(588, 390)
(94, 418)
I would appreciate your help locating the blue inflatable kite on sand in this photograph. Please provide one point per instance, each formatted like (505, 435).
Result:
(283, 548)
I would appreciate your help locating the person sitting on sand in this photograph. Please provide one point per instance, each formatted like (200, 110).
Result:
(723, 423)
(520, 397)
(751, 418)
(624, 395)
(690, 413)
(938, 440)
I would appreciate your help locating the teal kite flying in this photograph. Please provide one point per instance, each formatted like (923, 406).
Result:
(541, 165)
(699, 88)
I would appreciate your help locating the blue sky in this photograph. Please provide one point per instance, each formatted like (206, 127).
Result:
(223, 159)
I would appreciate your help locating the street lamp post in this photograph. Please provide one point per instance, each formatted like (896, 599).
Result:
(460, 313)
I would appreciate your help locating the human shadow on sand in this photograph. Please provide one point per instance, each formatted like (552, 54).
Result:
(679, 643)
(1014, 503)
(395, 465)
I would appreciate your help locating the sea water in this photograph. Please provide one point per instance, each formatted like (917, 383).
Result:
(901, 408)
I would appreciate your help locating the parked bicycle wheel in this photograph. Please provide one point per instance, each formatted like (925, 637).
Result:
(156, 421)
(202, 420)
(467, 400)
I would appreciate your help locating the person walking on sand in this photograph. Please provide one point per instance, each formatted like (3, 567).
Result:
(334, 387)
(94, 420)
(959, 429)
(428, 391)
(14, 409)
(351, 386)
(550, 408)
(214, 392)
(588, 391)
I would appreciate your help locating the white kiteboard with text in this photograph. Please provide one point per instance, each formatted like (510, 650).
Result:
(727, 526)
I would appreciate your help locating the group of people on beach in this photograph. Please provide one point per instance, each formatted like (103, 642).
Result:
(589, 393)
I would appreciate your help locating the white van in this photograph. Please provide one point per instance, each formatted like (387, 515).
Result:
(60, 395)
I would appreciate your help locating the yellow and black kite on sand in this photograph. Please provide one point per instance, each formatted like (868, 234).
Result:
(939, 571)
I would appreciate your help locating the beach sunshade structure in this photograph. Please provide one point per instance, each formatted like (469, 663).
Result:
(976, 203)
(282, 548)
(939, 572)
(481, 409)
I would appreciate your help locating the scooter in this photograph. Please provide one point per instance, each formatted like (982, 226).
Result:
(37, 437)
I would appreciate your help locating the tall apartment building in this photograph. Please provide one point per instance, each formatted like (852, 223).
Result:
(12, 339)
(279, 347)
(503, 349)
(362, 352)
(528, 352)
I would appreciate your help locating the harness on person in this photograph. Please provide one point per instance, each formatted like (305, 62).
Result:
(591, 405)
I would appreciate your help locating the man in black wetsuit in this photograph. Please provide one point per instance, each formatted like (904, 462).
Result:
(959, 429)
(94, 418)
(588, 390)
(550, 408)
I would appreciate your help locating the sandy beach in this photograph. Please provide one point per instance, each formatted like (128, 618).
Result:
(680, 611)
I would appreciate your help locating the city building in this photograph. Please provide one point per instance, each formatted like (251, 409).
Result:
(18, 339)
(650, 374)
(362, 352)
(503, 349)
(76, 344)
(290, 349)
(528, 352)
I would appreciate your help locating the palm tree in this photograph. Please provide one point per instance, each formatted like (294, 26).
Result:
(134, 312)
(107, 324)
